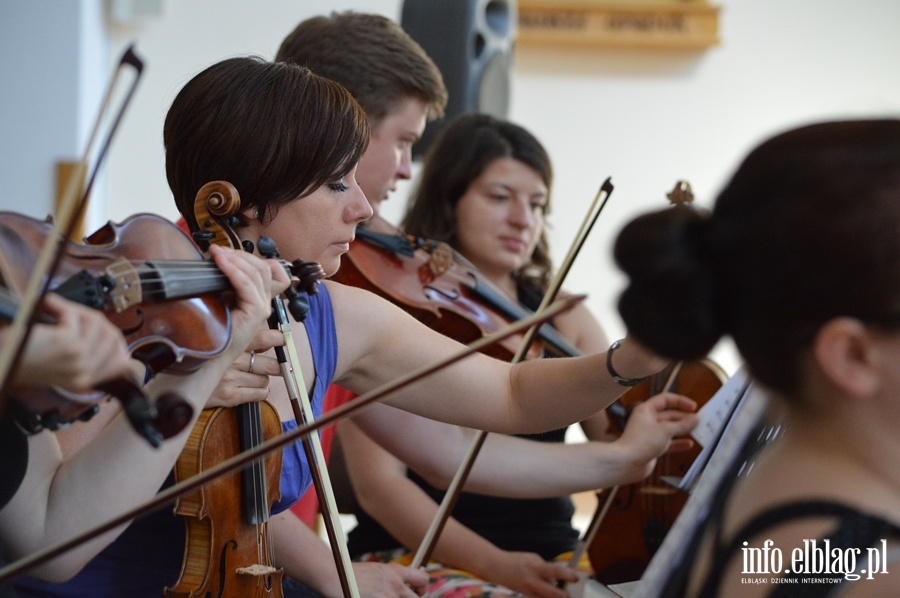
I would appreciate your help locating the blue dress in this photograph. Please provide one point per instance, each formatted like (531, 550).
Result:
(147, 556)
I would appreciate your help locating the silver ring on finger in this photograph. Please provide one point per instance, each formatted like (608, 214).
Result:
(252, 359)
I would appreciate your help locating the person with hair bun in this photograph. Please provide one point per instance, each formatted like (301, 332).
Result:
(799, 263)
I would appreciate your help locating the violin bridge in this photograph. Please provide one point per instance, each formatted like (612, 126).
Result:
(441, 260)
(257, 570)
(127, 289)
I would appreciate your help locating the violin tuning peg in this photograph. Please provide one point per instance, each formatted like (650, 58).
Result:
(309, 275)
(89, 413)
(51, 421)
(203, 235)
(298, 304)
(247, 246)
(267, 247)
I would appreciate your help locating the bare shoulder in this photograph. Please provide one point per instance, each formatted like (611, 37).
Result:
(344, 295)
(352, 304)
(364, 322)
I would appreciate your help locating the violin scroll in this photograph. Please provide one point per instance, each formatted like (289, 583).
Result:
(681, 193)
(216, 209)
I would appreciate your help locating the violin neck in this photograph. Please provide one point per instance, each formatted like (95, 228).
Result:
(253, 478)
(399, 244)
(396, 244)
(127, 284)
(514, 312)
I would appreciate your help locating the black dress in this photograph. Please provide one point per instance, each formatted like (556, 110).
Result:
(542, 526)
(13, 463)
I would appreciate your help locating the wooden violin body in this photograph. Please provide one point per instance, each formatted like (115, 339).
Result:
(168, 314)
(436, 287)
(227, 550)
(642, 513)
(224, 555)
(172, 314)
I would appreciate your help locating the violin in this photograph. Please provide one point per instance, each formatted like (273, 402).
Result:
(641, 514)
(227, 549)
(106, 273)
(152, 282)
(145, 275)
(436, 285)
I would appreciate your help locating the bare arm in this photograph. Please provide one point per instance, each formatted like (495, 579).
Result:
(379, 343)
(307, 559)
(582, 329)
(519, 468)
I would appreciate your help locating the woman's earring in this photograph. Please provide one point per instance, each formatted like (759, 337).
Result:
(256, 214)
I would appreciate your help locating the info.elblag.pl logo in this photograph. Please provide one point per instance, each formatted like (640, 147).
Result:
(815, 562)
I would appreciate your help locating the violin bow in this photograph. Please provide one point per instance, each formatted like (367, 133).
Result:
(216, 206)
(67, 216)
(451, 496)
(312, 444)
(243, 459)
(315, 456)
(680, 194)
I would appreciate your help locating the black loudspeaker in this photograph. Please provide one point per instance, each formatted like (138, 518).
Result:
(472, 43)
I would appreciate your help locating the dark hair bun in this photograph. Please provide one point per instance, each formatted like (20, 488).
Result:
(670, 303)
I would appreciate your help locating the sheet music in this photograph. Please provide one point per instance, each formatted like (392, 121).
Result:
(719, 408)
(716, 419)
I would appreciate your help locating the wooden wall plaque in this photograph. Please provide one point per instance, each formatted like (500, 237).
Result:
(690, 24)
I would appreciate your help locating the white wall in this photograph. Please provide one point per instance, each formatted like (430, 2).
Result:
(52, 54)
(646, 118)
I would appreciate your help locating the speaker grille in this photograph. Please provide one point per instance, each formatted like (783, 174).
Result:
(472, 43)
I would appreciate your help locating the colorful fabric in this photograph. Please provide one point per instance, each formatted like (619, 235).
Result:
(446, 582)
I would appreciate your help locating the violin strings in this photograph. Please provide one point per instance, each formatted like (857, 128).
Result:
(160, 272)
(199, 271)
(259, 481)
